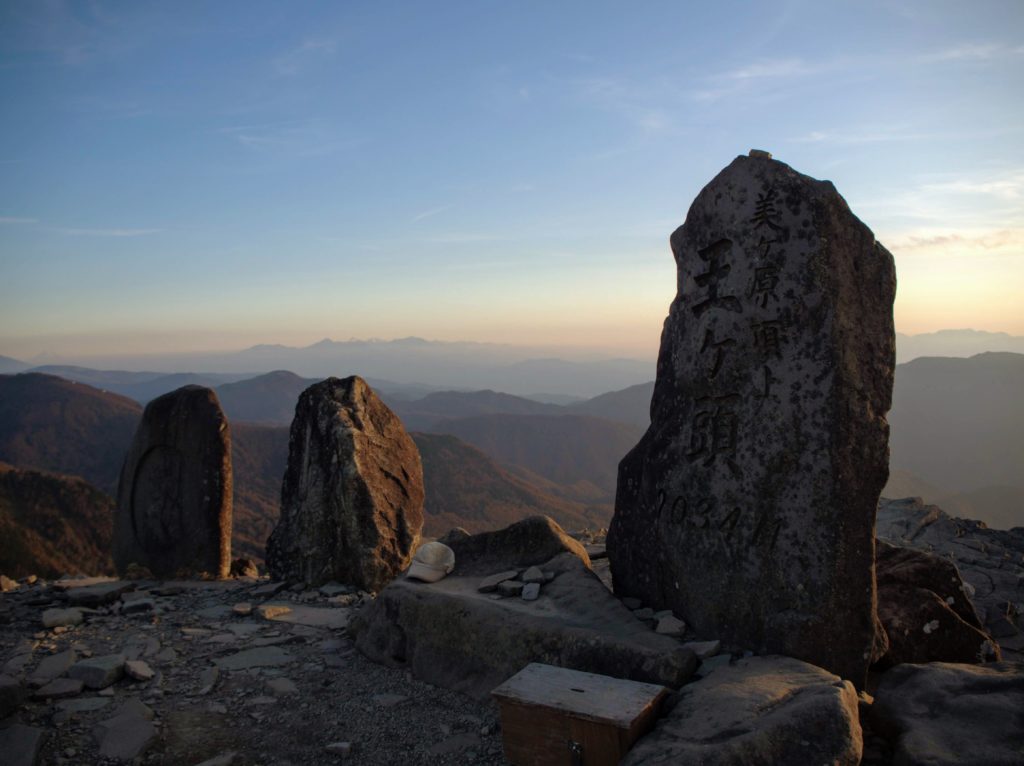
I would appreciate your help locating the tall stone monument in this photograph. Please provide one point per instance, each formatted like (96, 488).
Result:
(352, 498)
(174, 497)
(748, 507)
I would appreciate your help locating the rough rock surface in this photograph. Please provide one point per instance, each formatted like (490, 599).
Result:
(991, 562)
(451, 635)
(352, 499)
(762, 710)
(941, 714)
(924, 606)
(748, 507)
(231, 715)
(174, 498)
(522, 545)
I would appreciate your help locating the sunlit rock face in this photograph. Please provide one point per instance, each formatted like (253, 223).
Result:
(174, 497)
(352, 498)
(748, 507)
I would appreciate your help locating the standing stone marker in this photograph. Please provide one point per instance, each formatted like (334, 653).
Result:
(748, 507)
(174, 496)
(352, 499)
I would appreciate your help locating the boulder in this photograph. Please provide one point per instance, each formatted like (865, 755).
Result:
(352, 498)
(761, 710)
(927, 614)
(174, 497)
(991, 562)
(941, 714)
(527, 543)
(451, 635)
(748, 506)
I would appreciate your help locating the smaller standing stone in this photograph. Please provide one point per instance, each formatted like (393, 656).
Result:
(99, 672)
(531, 591)
(174, 497)
(491, 583)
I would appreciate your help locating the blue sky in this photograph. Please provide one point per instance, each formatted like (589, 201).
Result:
(195, 176)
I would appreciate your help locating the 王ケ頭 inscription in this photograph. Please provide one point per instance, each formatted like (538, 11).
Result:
(748, 506)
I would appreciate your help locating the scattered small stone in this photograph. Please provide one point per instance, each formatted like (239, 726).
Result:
(389, 700)
(53, 618)
(208, 678)
(671, 626)
(99, 594)
(632, 603)
(531, 591)
(59, 688)
(510, 588)
(491, 583)
(224, 759)
(53, 667)
(282, 686)
(270, 611)
(99, 672)
(339, 748)
(704, 649)
(334, 589)
(7, 584)
(243, 609)
(533, 575)
(264, 656)
(108, 692)
(268, 590)
(138, 606)
(138, 670)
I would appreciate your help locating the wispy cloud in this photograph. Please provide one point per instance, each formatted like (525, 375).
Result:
(769, 69)
(973, 51)
(305, 55)
(16, 220)
(109, 232)
(307, 139)
(1009, 186)
(958, 242)
(430, 213)
(870, 134)
(631, 101)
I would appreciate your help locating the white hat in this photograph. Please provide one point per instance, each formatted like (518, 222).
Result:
(432, 562)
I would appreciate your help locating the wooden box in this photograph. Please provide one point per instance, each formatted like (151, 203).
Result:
(552, 716)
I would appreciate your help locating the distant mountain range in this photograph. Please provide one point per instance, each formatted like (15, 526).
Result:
(410, 368)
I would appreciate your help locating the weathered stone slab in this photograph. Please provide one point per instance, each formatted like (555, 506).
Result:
(946, 714)
(99, 672)
(59, 688)
(125, 736)
(451, 635)
(174, 497)
(21, 744)
(53, 618)
(98, 594)
(53, 667)
(762, 710)
(748, 506)
(260, 657)
(313, 616)
(12, 694)
(352, 498)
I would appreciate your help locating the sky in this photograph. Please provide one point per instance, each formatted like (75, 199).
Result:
(198, 176)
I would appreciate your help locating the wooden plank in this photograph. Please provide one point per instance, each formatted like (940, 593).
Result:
(585, 696)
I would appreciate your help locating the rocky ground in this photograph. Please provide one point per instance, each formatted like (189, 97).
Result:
(226, 687)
